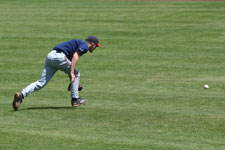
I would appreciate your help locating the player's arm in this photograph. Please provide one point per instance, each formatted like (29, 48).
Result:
(73, 65)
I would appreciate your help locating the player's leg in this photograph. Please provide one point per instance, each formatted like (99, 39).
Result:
(65, 66)
(75, 98)
(75, 84)
(69, 86)
(47, 74)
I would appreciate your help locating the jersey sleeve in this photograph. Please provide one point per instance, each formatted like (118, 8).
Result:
(82, 49)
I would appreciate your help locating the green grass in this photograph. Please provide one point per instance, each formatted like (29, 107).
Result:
(145, 86)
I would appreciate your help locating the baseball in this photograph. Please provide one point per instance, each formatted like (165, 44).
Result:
(206, 86)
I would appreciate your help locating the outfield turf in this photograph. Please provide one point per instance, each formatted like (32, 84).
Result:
(145, 85)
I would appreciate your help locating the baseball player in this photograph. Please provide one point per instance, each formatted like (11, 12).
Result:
(63, 57)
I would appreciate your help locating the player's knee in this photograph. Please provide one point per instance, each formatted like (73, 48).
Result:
(40, 84)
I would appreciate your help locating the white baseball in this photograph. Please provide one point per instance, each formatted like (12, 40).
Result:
(206, 86)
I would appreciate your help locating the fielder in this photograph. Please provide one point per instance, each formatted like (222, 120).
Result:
(63, 57)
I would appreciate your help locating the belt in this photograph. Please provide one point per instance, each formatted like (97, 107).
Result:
(58, 51)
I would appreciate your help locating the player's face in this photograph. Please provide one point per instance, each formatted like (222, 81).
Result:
(92, 47)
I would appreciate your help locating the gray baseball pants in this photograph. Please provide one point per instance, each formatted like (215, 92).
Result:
(54, 61)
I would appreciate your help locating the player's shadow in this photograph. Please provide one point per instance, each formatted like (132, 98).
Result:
(43, 108)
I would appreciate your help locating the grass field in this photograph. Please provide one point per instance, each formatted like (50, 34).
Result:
(145, 86)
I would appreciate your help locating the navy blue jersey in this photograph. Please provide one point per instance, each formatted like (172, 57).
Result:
(72, 46)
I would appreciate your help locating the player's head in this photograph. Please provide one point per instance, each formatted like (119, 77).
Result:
(93, 42)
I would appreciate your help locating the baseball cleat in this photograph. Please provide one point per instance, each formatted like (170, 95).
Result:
(18, 98)
(75, 102)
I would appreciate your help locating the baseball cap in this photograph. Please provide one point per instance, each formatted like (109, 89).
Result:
(93, 39)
